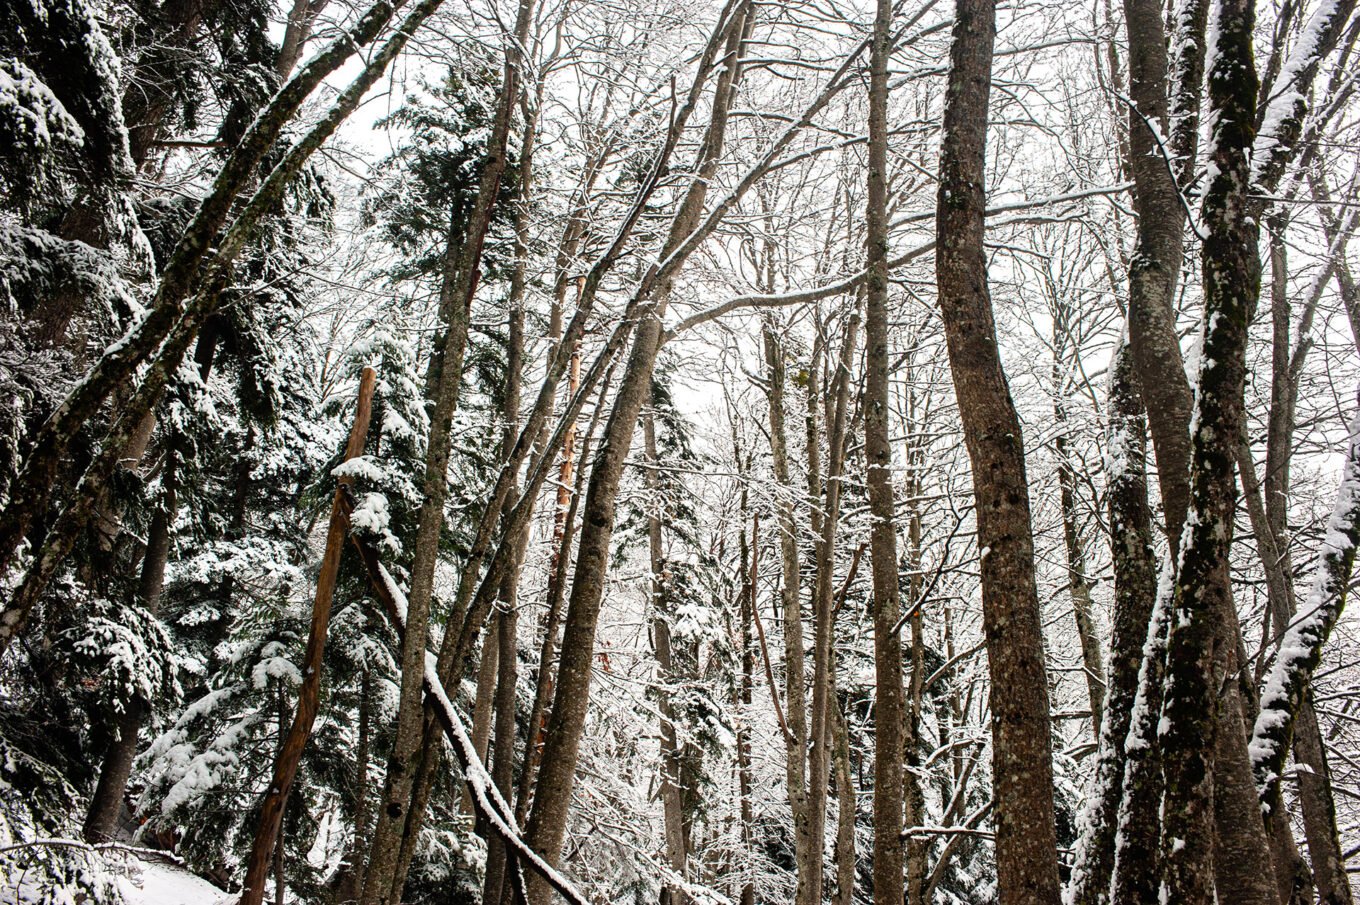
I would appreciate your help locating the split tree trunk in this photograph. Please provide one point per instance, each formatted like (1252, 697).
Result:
(267, 835)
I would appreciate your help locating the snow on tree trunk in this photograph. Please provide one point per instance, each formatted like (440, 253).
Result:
(1135, 581)
(1231, 276)
(1301, 648)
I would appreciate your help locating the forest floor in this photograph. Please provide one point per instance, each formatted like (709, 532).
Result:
(145, 883)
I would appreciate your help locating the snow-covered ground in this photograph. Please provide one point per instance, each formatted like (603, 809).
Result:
(158, 883)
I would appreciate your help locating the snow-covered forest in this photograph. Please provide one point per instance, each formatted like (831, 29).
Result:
(679, 452)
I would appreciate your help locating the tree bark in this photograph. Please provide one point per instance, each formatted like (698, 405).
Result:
(823, 599)
(382, 885)
(548, 817)
(1135, 588)
(1026, 840)
(673, 809)
(795, 693)
(1191, 709)
(1155, 267)
(886, 606)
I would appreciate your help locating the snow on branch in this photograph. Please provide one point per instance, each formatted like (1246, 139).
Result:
(1288, 104)
(845, 284)
(1301, 647)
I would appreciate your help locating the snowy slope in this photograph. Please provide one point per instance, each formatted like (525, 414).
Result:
(157, 883)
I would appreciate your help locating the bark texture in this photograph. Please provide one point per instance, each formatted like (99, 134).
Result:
(885, 603)
(1026, 841)
(1135, 588)
(1202, 599)
(267, 834)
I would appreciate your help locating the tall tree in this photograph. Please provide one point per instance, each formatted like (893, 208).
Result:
(1022, 756)
(886, 606)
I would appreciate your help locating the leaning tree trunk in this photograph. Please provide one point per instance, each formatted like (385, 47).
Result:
(1231, 275)
(38, 481)
(165, 334)
(547, 822)
(381, 886)
(1026, 840)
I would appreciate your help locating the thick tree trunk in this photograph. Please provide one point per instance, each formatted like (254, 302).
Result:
(1136, 873)
(1155, 266)
(267, 834)
(1202, 600)
(885, 606)
(1026, 841)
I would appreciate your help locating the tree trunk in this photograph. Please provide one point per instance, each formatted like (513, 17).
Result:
(886, 606)
(823, 603)
(1078, 585)
(503, 764)
(1026, 840)
(671, 798)
(1191, 709)
(350, 882)
(548, 817)
(557, 581)
(459, 287)
(102, 819)
(1315, 794)
(1155, 267)
(267, 835)
(847, 811)
(747, 684)
(1135, 588)
(913, 798)
(163, 328)
(795, 694)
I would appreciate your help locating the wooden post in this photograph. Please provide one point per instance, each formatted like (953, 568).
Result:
(290, 753)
